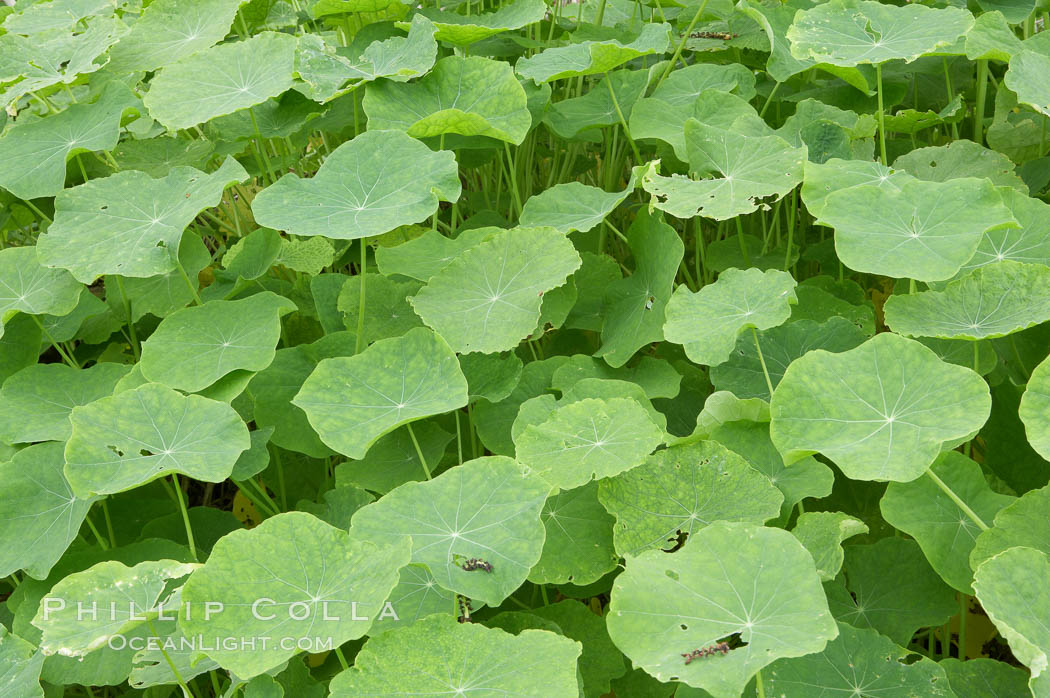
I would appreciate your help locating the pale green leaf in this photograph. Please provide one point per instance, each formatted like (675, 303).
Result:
(469, 96)
(239, 76)
(487, 508)
(367, 186)
(728, 578)
(591, 57)
(289, 578)
(129, 223)
(881, 411)
(41, 516)
(682, 490)
(139, 435)
(453, 659)
(708, 322)
(822, 533)
(352, 401)
(488, 299)
(194, 347)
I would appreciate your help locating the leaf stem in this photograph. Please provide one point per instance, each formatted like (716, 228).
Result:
(681, 44)
(882, 115)
(978, 109)
(109, 523)
(759, 686)
(964, 609)
(762, 360)
(98, 536)
(623, 122)
(359, 340)
(958, 501)
(341, 658)
(419, 451)
(259, 147)
(136, 350)
(189, 283)
(185, 517)
(67, 357)
(171, 663)
(769, 100)
(35, 210)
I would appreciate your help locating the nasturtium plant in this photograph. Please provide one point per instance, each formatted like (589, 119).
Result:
(515, 348)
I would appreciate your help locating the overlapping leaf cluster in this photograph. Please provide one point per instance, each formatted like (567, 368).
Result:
(612, 348)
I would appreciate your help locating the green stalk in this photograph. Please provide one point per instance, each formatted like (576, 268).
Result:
(171, 665)
(769, 100)
(978, 110)
(882, 116)
(254, 498)
(964, 609)
(740, 238)
(759, 686)
(419, 451)
(513, 176)
(958, 501)
(68, 358)
(359, 340)
(186, 277)
(258, 147)
(35, 210)
(623, 122)
(98, 536)
(762, 360)
(136, 350)
(280, 478)
(109, 523)
(681, 44)
(185, 517)
(341, 658)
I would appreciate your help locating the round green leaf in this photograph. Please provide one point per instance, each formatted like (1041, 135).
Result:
(881, 411)
(84, 610)
(592, 57)
(367, 186)
(578, 548)
(352, 401)
(1025, 522)
(600, 661)
(709, 321)
(40, 514)
(749, 437)
(471, 96)
(945, 533)
(957, 159)
(487, 508)
(393, 460)
(137, 436)
(194, 347)
(822, 532)
(1024, 78)
(740, 172)
(21, 662)
(290, 578)
(240, 75)
(415, 597)
(742, 374)
(1012, 590)
(993, 300)
(1035, 409)
(488, 299)
(848, 32)
(922, 230)
(728, 578)
(633, 307)
(463, 30)
(860, 663)
(682, 490)
(35, 153)
(455, 659)
(168, 31)
(588, 439)
(27, 286)
(1028, 243)
(985, 678)
(129, 223)
(35, 402)
(891, 589)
